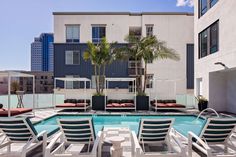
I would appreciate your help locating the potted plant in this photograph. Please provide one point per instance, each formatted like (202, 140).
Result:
(15, 86)
(202, 103)
(146, 49)
(100, 56)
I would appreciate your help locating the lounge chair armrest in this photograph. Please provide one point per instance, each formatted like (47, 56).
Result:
(203, 147)
(52, 143)
(136, 148)
(177, 141)
(43, 134)
(97, 142)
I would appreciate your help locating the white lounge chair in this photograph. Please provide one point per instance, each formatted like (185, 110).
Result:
(217, 131)
(21, 130)
(77, 138)
(155, 132)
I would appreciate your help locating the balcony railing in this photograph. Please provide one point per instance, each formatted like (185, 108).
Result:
(133, 64)
(133, 71)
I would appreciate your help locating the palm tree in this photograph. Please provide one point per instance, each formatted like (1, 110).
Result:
(146, 49)
(153, 49)
(132, 51)
(100, 55)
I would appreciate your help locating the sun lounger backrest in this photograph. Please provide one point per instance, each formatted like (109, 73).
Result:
(217, 130)
(77, 131)
(17, 129)
(154, 130)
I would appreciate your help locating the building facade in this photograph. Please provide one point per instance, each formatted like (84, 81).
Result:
(43, 82)
(215, 57)
(72, 30)
(42, 53)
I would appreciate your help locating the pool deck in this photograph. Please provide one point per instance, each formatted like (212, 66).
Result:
(41, 114)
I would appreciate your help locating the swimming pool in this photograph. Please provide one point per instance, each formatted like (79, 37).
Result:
(183, 123)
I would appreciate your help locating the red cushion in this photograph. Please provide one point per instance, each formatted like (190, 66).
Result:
(109, 105)
(169, 105)
(116, 104)
(14, 111)
(66, 105)
(129, 105)
(81, 104)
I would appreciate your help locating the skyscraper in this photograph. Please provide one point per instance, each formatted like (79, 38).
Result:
(42, 53)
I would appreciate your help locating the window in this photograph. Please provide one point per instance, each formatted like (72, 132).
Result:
(214, 38)
(135, 31)
(69, 84)
(72, 84)
(205, 5)
(72, 33)
(213, 2)
(203, 43)
(149, 81)
(72, 57)
(209, 40)
(149, 30)
(98, 32)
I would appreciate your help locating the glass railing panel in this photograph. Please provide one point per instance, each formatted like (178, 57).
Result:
(41, 100)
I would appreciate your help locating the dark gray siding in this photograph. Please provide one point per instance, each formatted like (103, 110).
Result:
(85, 68)
(190, 66)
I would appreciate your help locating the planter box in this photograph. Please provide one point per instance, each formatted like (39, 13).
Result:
(98, 103)
(202, 106)
(142, 103)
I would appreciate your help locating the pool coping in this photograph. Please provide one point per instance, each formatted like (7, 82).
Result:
(118, 114)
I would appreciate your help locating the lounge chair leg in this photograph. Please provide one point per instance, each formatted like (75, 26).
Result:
(225, 148)
(44, 143)
(23, 154)
(190, 146)
(9, 148)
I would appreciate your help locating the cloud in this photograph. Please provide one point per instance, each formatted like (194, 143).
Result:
(182, 3)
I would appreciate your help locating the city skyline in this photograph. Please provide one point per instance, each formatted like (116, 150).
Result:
(37, 19)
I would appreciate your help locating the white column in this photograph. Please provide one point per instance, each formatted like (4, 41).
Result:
(9, 94)
(34, 95)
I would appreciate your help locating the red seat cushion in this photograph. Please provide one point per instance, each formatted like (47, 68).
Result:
(66, 105)
(14, 111)
(109, 105)
(81, 104)
(169, 105)
(116, 104)
(129, 105)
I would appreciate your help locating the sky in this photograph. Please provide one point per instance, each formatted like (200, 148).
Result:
(22, 20)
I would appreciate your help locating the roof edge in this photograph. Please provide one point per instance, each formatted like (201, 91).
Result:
(124, 13)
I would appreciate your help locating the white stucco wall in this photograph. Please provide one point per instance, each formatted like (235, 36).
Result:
(225, 12)
(231, 92)
(177, 32)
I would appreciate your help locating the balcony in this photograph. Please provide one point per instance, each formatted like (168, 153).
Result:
(132, 71)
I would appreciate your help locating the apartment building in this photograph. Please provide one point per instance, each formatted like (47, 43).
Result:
(215, 57)
(42, 53)
(43, 82)
(72, 30)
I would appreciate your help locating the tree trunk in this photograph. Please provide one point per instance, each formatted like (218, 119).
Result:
(137, 76)
(145, 77)
(140, 76)
(99, 80)
(103, 79)
(96, 77)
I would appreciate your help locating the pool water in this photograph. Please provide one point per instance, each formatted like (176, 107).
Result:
(183, 124)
